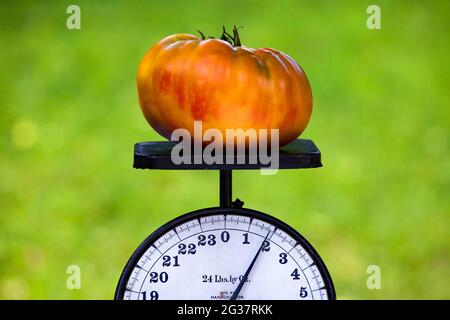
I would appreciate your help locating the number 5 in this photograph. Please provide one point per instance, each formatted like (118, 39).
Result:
(303, 292)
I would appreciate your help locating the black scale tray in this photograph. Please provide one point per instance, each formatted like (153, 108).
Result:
(299, 154)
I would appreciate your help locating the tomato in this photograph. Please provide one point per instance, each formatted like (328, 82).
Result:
(184, 78)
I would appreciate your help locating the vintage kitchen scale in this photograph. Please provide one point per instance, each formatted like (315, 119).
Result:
(226, 252)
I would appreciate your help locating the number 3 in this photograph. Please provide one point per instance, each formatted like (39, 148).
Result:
(283, 258)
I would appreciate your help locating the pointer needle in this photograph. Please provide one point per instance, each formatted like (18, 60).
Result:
(245, 277)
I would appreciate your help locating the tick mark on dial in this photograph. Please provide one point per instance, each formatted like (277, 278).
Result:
(153, 245)
(131, 291)
(176, 232)
(318, 289)
(138, 266)
(293, 247)
(273, 232)
(312, 264)
(250, 224)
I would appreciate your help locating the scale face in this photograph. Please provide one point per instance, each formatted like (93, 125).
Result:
(223, 254)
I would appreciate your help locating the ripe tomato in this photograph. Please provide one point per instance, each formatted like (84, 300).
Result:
(183, 78)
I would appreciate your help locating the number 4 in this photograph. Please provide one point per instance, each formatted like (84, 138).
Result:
(295, 275)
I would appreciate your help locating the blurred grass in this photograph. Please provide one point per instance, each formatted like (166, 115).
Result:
(69, 118)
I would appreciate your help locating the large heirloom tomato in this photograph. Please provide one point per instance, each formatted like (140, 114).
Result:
(184, 78)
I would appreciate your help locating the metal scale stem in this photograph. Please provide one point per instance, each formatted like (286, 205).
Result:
(225, 188)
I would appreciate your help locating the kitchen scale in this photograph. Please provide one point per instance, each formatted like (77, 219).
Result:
(226, 252)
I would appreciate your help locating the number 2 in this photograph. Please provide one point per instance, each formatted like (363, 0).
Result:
(192, 249)
(266, 246)
(201, 240)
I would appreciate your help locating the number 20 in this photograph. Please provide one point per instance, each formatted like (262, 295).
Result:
(163, 277)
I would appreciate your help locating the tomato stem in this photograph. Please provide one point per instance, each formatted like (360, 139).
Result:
(234, 39)
(226, 36)
(201, 33)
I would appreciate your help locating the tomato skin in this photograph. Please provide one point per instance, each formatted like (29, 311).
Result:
(183, 79)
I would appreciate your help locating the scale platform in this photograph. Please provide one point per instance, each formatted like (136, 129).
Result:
(299, 154)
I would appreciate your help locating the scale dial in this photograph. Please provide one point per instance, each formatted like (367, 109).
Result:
(208, 255)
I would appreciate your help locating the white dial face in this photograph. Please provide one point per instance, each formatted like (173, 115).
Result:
(208, 258)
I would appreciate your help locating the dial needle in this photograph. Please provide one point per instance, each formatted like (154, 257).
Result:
(245, 277)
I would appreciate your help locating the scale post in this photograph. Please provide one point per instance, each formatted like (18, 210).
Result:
(225, 188)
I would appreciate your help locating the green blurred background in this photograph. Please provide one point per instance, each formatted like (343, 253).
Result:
(69, 118)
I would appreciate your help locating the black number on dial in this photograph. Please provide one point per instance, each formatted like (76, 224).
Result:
(181, 248)
(212, 240)
(192, 249)
(167, 261)
(295, 275)
(245, 238)
(266, 246)
(153, 295)
(303, 292)
(283, 258)
(225, 236)
(155, 277)
(201, 240)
